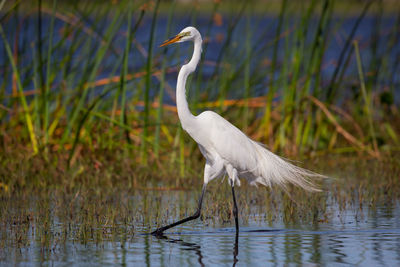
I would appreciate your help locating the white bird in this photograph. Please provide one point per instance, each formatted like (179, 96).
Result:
(227, 149)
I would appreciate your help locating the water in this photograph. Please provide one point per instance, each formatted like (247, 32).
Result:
(353, 236)
(274, 247)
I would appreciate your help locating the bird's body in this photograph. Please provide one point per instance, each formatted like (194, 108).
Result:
(226, 148)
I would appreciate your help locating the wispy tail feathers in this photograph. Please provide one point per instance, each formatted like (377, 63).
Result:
(272, 169)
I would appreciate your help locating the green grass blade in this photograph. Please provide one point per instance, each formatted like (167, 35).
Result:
(247, 72)
(156, 144)
(124, 73)
(333, 85)
(367, 97)
(48, 69)
(27, 115)
(272, 83)
(148, 85)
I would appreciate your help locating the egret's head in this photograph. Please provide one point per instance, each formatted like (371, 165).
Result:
(187, 34)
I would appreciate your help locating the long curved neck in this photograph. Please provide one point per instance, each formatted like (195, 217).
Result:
(185, 116)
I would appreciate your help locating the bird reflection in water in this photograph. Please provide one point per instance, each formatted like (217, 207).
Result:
(197, 248)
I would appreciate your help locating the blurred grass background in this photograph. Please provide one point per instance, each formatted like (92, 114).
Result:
(85, 91)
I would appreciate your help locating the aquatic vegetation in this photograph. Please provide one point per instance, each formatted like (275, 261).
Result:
(102, 207)
(88, 77)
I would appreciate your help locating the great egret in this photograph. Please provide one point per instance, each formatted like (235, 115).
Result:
(225, 147)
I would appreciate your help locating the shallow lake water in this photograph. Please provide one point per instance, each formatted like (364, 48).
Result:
(360, 237)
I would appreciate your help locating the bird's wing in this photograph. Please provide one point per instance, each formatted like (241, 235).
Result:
(228, 141)
(252, 160)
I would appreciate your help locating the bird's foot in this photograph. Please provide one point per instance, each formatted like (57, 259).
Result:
(158, 233)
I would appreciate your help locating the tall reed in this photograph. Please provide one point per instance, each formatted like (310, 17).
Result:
(83, 84)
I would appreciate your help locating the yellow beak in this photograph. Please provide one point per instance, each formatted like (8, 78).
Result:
(171, 40)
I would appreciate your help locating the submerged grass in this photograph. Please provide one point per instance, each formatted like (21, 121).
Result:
(108, 208)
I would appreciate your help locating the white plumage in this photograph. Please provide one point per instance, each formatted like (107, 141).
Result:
(225, 146)
(227, 149)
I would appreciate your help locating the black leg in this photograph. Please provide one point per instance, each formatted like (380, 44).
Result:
(235, 210)
(236, 249)
(159, 231)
